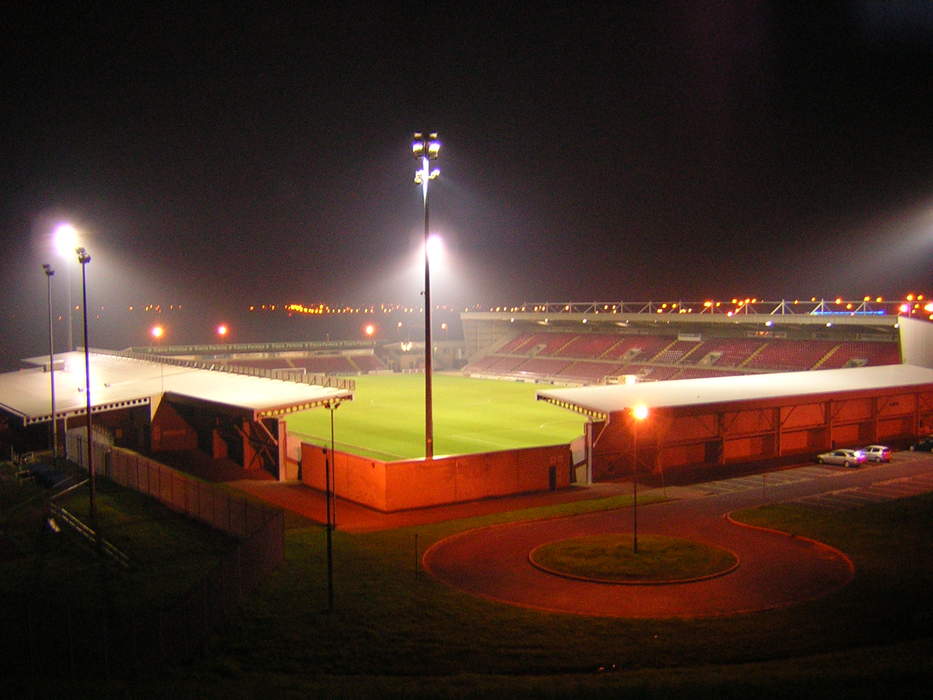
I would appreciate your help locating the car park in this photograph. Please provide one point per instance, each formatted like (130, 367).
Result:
(877, 453)
(923, 444)
(845, 457)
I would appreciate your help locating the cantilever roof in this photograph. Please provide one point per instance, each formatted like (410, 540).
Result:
(746, 387)
(118, 382)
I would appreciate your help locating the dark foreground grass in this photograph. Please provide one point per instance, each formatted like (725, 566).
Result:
(613, 558)
(385, 420)
(392, 626)
(396, 632)
(169, 553)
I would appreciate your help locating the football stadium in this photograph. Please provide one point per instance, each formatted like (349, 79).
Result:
(535, 398)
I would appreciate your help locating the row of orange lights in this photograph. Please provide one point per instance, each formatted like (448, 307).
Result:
(914, 303)
(158, 331)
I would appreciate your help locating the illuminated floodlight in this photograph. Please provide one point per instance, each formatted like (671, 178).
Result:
(223, 330)
(435, 246)
(640, 412)
(370, 330)
(65, 237)
(157, 332)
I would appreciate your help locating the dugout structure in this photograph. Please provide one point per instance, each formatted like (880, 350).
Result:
(158, 405)
(748, 419)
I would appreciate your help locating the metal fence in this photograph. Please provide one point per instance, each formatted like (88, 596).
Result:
(52, 638)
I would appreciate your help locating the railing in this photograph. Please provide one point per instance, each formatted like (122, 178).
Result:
(731, 307)
(51, 637)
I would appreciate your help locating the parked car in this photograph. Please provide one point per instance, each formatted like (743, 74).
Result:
(923, 444)
(877, 453)
(847, 458)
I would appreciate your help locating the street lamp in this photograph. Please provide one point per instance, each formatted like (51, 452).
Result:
(66, 241)
(639, 413)
(425, 149)
(84, 259)
(330, 494)
(157, 331)
(48, 274)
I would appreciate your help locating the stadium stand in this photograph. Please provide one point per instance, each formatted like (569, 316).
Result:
(861, 354)
(542, 367)
(588, 371)
(724, 352)
(675, 351)
(588, 346)
(790, 354)
(640, 347)
(367, 363)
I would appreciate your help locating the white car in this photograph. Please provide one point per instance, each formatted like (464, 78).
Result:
(877, 453)
(847, 458)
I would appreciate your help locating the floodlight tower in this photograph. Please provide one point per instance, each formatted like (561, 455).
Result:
(84, 259)
(48, 275)
(426, 148)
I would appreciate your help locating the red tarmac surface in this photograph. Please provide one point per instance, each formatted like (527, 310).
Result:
(775, 569)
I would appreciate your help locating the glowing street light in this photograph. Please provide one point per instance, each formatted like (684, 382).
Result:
(639, 413)
(65, 238)
(158, 332)
(222, 331)
(426, 148)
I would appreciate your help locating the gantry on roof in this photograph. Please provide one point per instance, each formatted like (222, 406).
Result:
(603, 400)
(120, 382)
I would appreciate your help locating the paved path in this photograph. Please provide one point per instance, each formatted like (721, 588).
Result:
(775, 569)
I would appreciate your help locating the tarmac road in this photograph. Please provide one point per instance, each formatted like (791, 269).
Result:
(775, 569)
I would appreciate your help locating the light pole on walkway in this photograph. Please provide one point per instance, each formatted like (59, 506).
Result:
(330, 488)
(639, 413)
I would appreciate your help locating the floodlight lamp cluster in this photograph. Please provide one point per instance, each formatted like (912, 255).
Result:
(83, 256)
(429, 146)
(425, 149)
(48, 269)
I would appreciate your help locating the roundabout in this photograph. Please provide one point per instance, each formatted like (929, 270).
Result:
(612, 558)
(506, 563)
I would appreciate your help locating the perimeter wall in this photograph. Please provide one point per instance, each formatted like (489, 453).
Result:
(772, 430)
(416, 483)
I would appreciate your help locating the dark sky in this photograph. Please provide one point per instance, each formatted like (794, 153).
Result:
(661, 150)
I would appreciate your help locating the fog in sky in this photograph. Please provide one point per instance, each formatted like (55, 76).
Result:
(218, 157)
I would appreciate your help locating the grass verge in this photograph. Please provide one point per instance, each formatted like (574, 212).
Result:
(613, 558)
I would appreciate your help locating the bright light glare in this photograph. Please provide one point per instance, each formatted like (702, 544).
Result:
(157, 332)
(435, 249)
(65, 237)
(370, 329)
(640, 412)
(222, 330)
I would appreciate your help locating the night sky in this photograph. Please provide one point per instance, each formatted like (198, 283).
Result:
(224, 157)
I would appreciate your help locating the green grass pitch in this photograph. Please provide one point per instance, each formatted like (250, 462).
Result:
(385, 420)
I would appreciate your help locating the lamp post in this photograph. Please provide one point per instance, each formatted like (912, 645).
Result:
(48, 274)
(84, 259)
(426, 149)
(66, 238)
(330, 495)
(639, 413)
(157, 331)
